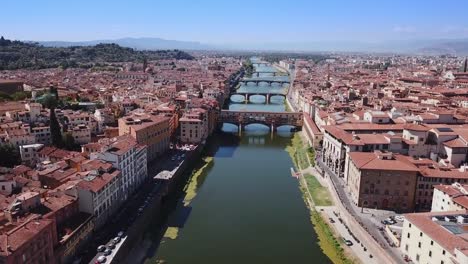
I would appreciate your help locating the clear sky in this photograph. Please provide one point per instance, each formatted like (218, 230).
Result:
(235, 21)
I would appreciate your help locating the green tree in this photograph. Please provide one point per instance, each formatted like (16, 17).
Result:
(19, 96)
(49, 101)
(55, 132)
(69, 142)
(9, 156)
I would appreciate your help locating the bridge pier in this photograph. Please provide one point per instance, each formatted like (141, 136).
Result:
(268, 98)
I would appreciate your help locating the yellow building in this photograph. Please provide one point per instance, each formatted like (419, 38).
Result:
(150, 130)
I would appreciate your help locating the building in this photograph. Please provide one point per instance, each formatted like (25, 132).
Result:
(30, 154)
(152, 131)
(432, 175)
(29, 240)
(436, 237)
(81, 134)
(42, 134)
(194, 126)
(125, 155)
(99, 190)
(382, 181)
(11, 86)
(452, 197)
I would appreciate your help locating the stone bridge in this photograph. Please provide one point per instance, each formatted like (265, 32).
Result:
(266, 80)
(257, 73)
(267, 95)
(271, 119)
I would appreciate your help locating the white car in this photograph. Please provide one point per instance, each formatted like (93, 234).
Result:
(101, 259)
(400, 218)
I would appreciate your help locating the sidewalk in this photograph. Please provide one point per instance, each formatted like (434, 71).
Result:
(364, 219)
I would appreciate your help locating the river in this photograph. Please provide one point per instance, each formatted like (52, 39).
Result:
(244, 206)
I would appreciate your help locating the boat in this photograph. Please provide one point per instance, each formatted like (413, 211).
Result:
(294, 173)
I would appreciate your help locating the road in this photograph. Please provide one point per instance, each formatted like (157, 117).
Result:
(359, 245)
(363, 218)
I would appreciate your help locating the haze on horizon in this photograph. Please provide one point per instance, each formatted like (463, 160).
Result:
(239, 22)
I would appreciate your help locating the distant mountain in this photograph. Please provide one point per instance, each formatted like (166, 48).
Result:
(135, 43)
(457, 47)
(427, 47)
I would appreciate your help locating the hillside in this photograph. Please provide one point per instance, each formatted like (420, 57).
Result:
(135, 43)
(20, 55)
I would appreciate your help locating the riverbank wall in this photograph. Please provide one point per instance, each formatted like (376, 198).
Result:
(136, 233)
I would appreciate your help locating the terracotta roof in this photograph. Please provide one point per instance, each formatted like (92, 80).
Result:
(436, 231)
(371, 161)
(456, 143)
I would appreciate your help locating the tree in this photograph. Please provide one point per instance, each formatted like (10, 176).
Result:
(19, 96)
(68, 141)
(9, 156)
(53, 90)
(49, 101)
(55, 133)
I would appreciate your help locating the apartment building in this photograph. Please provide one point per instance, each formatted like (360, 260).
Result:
(152, 131)
(99, 191)
(381, 181)
(125, 155)
(30, 154)
(452, 197)
(435, 237)
(194, 126)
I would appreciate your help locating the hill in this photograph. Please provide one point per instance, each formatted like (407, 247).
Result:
(20, 55)
(135, 43)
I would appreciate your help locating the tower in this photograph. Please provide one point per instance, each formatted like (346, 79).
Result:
(466, 65)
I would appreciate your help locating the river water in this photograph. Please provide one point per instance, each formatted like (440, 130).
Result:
(244, 206)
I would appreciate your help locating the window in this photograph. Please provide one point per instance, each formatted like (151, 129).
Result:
(406, 246)
(417, 257)
(430, 253)
(408, 236)
(410, 225)
(419, 244)
(420, 234)
(432, 243)
(443, 252)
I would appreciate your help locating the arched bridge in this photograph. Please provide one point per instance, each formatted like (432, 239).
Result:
(267, 80)
(271, 119)
(257, 73)
(267, 95)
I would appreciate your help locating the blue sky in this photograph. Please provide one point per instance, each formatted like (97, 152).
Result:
(237, 21)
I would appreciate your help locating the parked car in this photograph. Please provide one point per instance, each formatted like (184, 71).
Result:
(111, 245)
(101, 248)
(107, 252)
(121, 234)
(347, 242)
(101, 259)
(331, 220)
(116, 239)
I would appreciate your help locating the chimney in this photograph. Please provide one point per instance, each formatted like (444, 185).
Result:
(466, 65)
